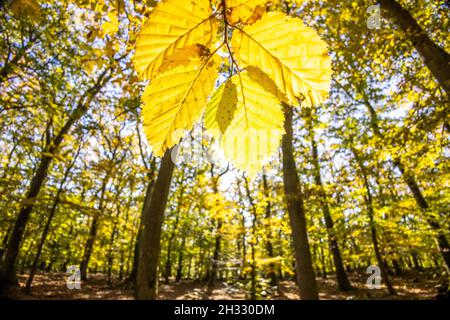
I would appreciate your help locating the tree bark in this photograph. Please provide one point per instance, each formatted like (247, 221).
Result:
(294, 199)
(435, 58)
(148, 196)
(149, 249)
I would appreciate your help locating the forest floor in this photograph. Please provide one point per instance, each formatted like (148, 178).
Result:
(53, 286)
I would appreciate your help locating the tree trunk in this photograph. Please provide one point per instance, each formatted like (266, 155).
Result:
(269, 246)
(376, 247)
(253, 242)
(217, 248)
(50, 218)
(111, 250)
(89, 246)
(149, 248)
(168, 264)
(180, 260)
(8, 262)
(244, 247)
(341, 275)
(148, 196)
(217, 244)
(5, 241)
(373, 230)
(294, 199)
(435, 58)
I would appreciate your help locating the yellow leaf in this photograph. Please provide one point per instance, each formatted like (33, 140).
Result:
(89, 66)
(221, 107)
(112, 26)
(255, 131)
(287, 51)
(245, 11)
(178, 58)
(175, 99)
(173, 24)
(261, 78)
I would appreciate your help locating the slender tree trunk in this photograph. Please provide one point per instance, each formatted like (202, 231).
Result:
(180, 260)
(397, 267)
(149, 248)
(168, 264)
(376, 247)
(269, 246)
(322, 259)
(253, 242)
(111, 251)
(189, 267)
(50, 218)
(5, 240)
(435, 58)
(115, 233)
(133, 273)
(341, 274)
(373, 230)
(89, 246)
(217, 242)
(244, 246)
(294, 199)
(216, 255)
(124, 261)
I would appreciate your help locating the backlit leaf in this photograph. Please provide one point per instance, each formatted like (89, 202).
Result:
(289, 52)
(255, 132)
(175, 99)
(245, 11)
(172, 25)
(222, 106)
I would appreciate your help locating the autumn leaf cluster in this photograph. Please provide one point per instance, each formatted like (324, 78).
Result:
(261, 60)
